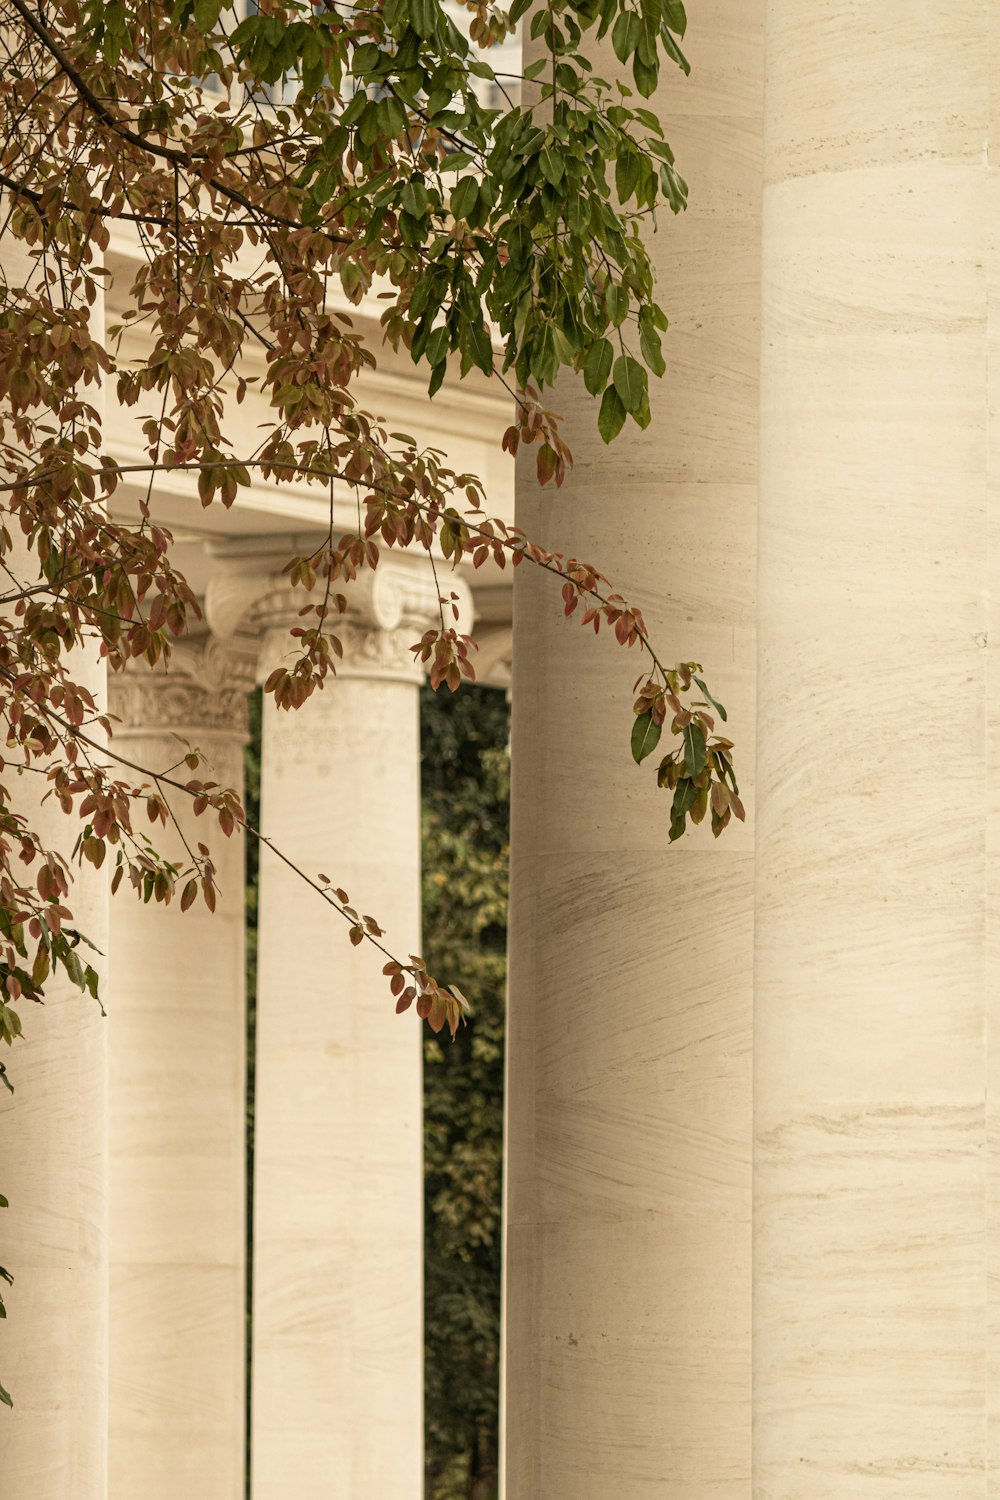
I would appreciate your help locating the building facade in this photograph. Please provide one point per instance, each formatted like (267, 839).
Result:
(751, 1196)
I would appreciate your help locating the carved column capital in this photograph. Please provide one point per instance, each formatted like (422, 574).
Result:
(388, 609)
(201, 692)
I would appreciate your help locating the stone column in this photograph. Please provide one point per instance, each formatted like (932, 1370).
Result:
(178, 1029)
(338, 1286)
(876, 566)
(53, 1162)
(53, 1344)
(629, 1109)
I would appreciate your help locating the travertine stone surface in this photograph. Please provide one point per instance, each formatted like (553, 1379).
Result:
(53, 1160)
(54, 1174)
(874, 796)
(992, 1028)
(177, 1084)
(628, 1187)
(338, 1341)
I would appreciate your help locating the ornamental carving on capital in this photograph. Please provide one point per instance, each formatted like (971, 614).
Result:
(368, 651)
(203, 690)
(388, 609)
(398, 594)
(251, 606)
(372, 652)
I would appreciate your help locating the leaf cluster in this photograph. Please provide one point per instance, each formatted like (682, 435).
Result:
(700, 771)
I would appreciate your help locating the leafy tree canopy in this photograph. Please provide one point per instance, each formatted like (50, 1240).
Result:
(259, 163)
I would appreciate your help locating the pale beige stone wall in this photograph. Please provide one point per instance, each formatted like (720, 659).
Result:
(628, 1186)
(992, 1227)
(876, 568)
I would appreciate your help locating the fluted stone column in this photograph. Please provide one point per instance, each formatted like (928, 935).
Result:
(629, 1112)
(338, 1285)
(53, 1162)
(877, 563)
(177, 1088)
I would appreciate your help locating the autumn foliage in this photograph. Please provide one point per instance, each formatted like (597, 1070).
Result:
(262, 164)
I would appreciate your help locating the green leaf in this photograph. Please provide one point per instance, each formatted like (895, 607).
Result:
(675, 15)
(206, 14)
(551, 165)
(611, 418)
(423, 14)
(454, 160)
(647, 118)
(616, 302)
(626, 173)
(609, 10)
(645, 736)
(565, 351)
(437, 103)
(437, 378)
(73, 967)
(672, 50)
(437, 346)
(414, 198)
(714, 701)
(685, 796)
(630, 382)
(3, 1202)
(475, 341)
(531, 140)
(646, 77)
(650, 346)
(519, 245)
(646, 50)
(464, 197)
(674, 187)
(694, 748)
(365, 58)
(625, 35)
(40, 967)
(544, 362)
(660, 148)
(597, 366)
(5, 1397)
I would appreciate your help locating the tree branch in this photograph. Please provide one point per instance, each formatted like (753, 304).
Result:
(168, 153)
